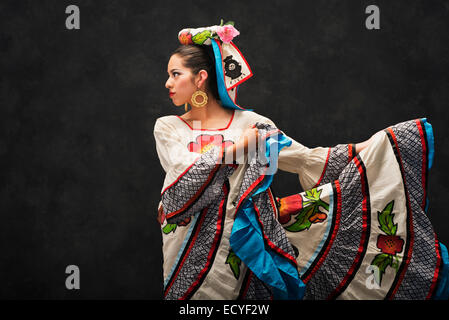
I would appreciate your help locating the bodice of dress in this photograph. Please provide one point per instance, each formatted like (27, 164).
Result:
(210, 206)
(191, 141)
(194, 182)
(178, 145)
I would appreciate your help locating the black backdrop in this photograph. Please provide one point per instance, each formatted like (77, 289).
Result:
(80, 178)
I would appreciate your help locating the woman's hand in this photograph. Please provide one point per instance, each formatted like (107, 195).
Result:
(160, 215)
(249, 137)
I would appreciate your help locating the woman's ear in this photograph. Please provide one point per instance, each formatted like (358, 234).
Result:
(201, 79)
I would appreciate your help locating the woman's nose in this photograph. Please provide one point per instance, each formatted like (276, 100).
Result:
(168, 83)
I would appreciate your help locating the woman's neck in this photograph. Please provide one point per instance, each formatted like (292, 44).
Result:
(210, 115)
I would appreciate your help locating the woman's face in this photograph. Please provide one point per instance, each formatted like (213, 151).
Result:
(180, 81)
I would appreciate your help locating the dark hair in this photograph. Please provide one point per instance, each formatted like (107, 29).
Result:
(200, 57)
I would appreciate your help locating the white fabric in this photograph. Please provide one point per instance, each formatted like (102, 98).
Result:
(172, 137)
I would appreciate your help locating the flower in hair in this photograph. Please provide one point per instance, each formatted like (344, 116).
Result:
(227, 33)
(223, 32)
(185, 38)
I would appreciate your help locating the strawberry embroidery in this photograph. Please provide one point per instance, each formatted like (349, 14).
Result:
(389, 243)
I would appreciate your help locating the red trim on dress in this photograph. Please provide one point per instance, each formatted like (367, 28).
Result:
(324, 169)
(410, 222)
(437, 270)
(192, 242)
(251, 187)
(350, 152)
(271, 244)
(334, 233)
(363, 238)
(213, 247)
(273, 205)
(199, 192)
(229, 123)
(423, 205)
(180, 176)
(270, 133)
(255, 183)
(196, 195)
(424, 162)
(246, 287)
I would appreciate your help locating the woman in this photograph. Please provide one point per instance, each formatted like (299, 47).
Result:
(352, 235)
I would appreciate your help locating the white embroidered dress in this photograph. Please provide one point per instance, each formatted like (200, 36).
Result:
(179, 149)
(358, 213)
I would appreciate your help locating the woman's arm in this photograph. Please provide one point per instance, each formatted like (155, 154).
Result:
(362, 145)
(249, 137)
(192, 180)
(317, 165)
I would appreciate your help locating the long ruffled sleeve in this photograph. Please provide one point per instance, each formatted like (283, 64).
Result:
(314, 166)
(192, 180)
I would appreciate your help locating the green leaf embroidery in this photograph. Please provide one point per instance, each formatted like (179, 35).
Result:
(396, 263)
(234, 262)
(302, 219)
(385, 219)
(382, 261)
(169, 227)
(387, 225)
(311, 207)
(313, 194)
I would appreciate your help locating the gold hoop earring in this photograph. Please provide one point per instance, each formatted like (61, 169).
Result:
(202, 94)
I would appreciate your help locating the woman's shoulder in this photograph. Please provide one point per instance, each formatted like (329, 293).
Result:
(167, 120)
(251, 117)
(165, 124)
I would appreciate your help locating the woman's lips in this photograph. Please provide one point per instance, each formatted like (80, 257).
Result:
(171, 94)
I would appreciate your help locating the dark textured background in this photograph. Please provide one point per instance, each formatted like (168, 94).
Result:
(80, 178)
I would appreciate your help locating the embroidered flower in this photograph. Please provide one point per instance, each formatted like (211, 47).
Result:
(185, 38)
(227, 33)
(390, 244)
(184, 222)
(205, 142)
(305, 208)
(289, 206)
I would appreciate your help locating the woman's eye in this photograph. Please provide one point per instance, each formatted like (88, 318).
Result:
(175, 74)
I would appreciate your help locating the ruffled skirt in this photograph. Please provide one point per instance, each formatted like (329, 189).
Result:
(365, 234)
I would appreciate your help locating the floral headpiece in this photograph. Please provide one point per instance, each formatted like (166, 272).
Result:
(230, 65)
